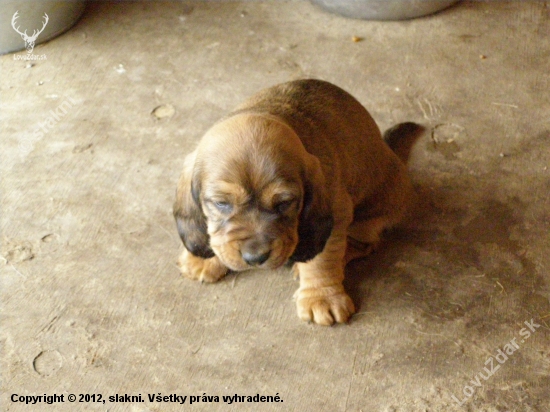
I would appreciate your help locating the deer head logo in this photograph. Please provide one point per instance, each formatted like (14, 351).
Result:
(29, 40)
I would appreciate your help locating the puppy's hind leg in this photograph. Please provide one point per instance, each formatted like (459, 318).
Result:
(204, 270)
(385, 209)
(364, 237)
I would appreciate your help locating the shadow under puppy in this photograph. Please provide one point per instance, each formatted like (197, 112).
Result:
(298, 174)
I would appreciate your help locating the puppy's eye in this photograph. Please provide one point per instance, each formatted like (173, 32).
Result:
(282, 207)
(222, 206)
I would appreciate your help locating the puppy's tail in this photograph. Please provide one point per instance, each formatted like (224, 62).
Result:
(402, 137)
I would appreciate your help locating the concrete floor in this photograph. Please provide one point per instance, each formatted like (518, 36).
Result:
(92, 302)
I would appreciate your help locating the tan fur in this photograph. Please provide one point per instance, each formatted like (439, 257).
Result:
(204, 270)
(295, 166)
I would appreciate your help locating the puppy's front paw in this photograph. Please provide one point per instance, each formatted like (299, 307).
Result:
(204, 270)
(325, 305)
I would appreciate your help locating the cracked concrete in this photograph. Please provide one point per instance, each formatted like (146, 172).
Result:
(93, 140)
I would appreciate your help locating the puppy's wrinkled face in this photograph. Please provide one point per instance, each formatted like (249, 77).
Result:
(252, 228)
(251, 193)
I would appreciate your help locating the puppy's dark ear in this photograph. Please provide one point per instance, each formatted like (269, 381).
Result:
(316, 220)
(188, 213)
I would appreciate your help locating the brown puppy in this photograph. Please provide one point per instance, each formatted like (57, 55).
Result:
(289, 177)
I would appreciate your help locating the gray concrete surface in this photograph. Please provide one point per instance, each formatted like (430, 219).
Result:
(92, 302)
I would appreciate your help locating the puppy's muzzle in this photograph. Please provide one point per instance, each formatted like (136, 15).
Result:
(256, 251)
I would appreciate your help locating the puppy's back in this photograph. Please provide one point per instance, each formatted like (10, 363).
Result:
(333, 126)
(314, 108)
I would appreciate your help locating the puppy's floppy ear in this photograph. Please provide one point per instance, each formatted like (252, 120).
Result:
(316, 220)
(188, 213)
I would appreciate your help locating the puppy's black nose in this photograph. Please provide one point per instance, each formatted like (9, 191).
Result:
(255, 252)
(255, 260)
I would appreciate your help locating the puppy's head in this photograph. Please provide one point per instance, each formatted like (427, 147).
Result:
(252, 195)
